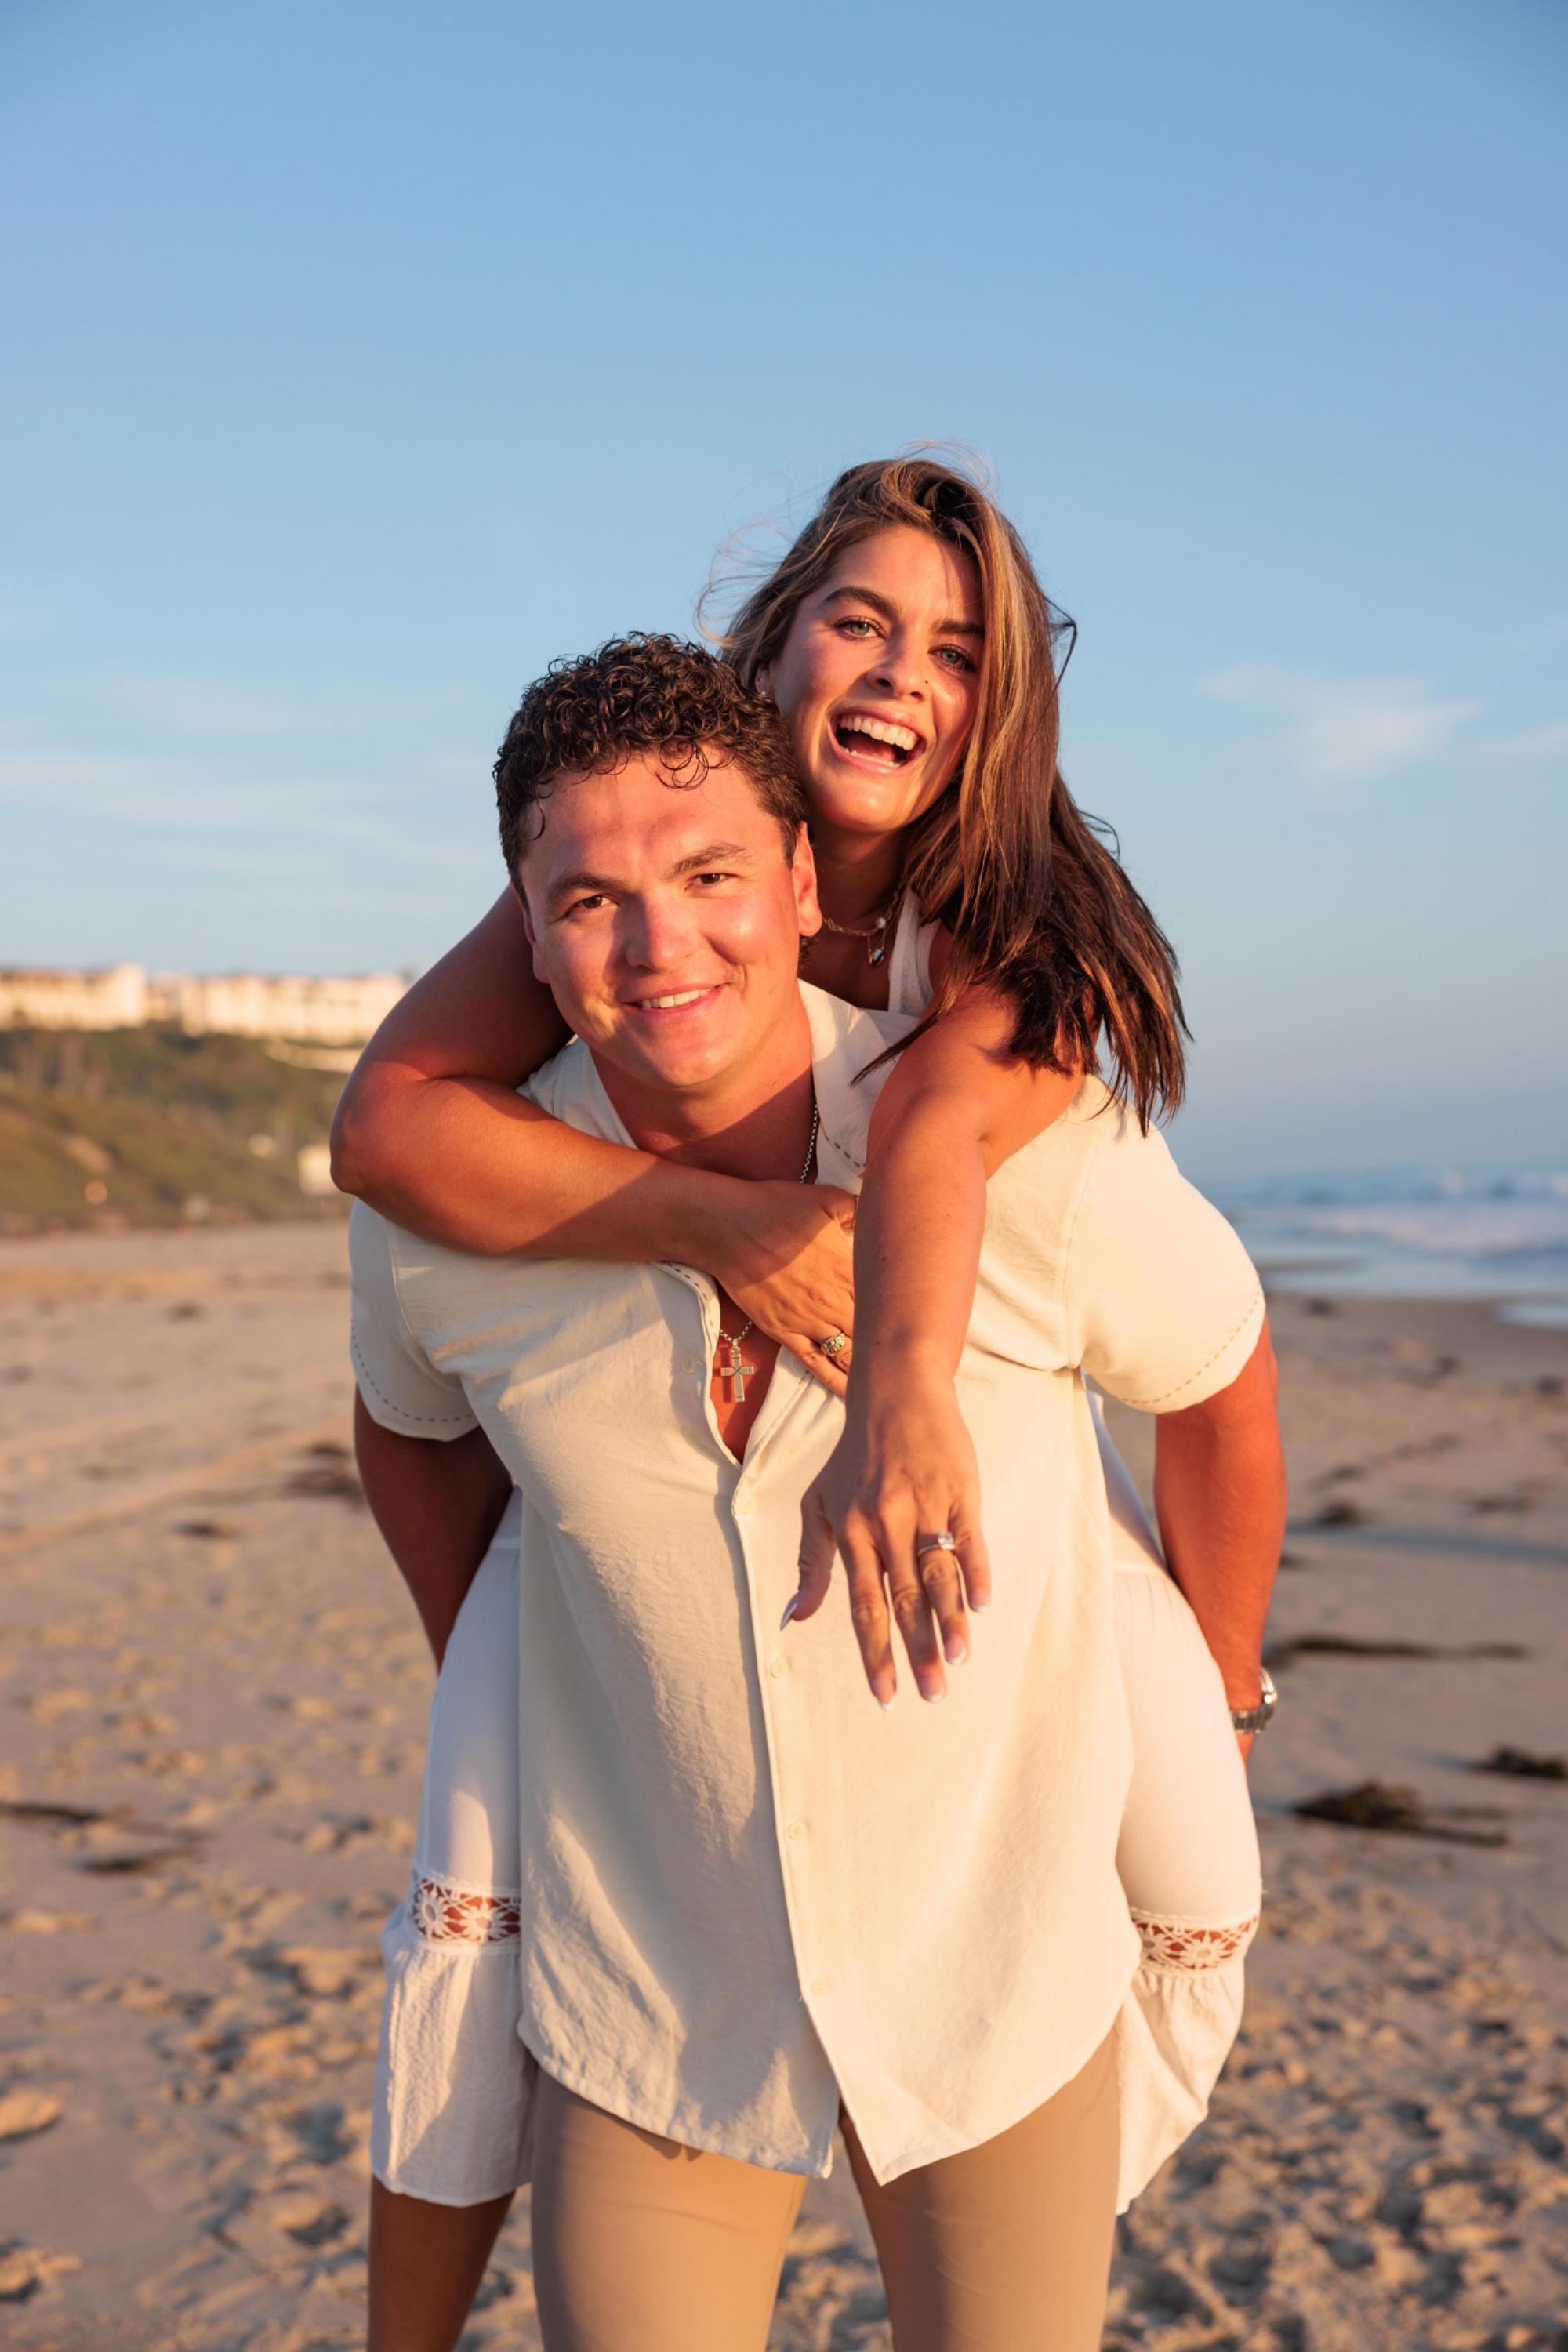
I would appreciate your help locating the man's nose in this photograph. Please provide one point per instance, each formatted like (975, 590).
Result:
(656, 933)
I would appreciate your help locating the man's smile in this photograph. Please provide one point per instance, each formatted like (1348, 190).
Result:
(680, 1000)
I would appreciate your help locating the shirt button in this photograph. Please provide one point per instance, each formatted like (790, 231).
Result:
(795, 1830)
(819, 1984)
(778, 1669)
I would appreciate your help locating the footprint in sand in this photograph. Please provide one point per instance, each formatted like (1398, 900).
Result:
(25, 2269)
(22, 2113)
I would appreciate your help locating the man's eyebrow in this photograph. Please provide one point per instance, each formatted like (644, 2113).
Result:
(582, 880)
(880, 605)
(716, 853)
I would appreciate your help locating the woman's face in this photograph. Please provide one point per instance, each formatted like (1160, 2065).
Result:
(877, 679)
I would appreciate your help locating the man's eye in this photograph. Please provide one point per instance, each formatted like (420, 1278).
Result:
(587, 906)
(714, 877)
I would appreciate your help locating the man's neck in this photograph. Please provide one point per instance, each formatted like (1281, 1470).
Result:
(754, 1124)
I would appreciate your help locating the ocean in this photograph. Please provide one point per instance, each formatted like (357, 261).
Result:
(1479, 1233)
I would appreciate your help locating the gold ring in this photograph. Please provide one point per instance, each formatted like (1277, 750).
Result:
(833, 1347)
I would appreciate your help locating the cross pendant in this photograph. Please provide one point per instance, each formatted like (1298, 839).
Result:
(736, 1372)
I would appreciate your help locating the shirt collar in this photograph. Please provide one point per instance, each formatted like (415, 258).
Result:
(844, 1039)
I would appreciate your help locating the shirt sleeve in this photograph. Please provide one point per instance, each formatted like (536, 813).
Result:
(402, 1389)
(1163, 1305)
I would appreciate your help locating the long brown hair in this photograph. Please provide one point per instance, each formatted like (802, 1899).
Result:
(1035, 902)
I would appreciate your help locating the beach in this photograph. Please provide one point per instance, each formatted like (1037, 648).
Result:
(211, 1730)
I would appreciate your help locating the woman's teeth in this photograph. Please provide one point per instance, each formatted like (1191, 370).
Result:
(900, 741)
(669, 1003)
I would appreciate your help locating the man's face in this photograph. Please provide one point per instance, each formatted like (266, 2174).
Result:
(666, 921)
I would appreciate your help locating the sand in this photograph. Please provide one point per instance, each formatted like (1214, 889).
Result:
(211, 1722)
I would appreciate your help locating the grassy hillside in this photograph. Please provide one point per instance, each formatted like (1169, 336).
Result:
(164, 1127)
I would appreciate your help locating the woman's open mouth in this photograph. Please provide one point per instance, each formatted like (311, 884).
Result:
(875, 742)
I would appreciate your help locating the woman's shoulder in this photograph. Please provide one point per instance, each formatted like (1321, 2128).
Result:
(916, 959)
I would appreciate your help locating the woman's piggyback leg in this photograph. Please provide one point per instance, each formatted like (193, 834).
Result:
(1188, 1861)
(1188, 1849)
(454, 2084)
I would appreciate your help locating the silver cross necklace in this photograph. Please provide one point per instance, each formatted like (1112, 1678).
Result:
(735, 1374)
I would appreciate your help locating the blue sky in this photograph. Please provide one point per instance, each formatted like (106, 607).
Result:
(364, 358)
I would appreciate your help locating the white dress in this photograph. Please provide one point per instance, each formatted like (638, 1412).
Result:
(454, 2089)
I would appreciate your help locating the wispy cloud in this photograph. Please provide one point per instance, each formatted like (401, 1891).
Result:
(32, 609)
(137, 794)
(207, 708)
(1344, 730)
(167, 704)
(1537, 637)
(1548, 743)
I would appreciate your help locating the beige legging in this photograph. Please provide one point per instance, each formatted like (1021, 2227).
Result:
(642, 2245)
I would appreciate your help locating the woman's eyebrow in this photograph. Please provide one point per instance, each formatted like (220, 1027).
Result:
(880, 605)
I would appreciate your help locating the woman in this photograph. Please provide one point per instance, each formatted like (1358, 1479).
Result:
(909, 650)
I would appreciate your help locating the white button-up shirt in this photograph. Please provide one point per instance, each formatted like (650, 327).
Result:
(749, 1892)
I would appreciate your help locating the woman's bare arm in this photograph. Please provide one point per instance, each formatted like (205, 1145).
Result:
(431, 1132)
(958, 1105)
(1219, 1495)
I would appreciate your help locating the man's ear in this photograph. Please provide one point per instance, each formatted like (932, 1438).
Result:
(528, 932)
(803, 873)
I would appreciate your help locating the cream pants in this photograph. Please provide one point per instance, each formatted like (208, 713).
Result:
(643, 2245)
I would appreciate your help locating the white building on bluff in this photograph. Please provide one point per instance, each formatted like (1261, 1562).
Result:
(235, 1004)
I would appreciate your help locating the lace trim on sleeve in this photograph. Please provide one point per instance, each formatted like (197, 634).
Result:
(1184, 1946)
(444, 1913)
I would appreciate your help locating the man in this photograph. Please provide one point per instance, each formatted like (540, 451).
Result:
(746, 1896)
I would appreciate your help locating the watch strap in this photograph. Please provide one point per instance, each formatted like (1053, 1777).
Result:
(1259, 1717)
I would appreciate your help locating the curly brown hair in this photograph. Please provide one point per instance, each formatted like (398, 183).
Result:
(641, 693)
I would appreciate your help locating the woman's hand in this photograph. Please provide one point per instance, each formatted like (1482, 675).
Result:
(903, 1471)
(786, 1259)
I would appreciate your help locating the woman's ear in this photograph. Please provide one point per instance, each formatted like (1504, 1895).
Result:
(762, 683)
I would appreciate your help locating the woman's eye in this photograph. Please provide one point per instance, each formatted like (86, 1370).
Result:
(855, 622)
(955, 656)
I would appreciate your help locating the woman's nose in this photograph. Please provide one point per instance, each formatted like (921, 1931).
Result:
(898, 670)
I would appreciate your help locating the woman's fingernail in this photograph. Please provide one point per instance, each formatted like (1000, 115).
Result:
(933, 1691)
(791, 1605)
(976, 1606)
(883, 1692)
(955, 1651)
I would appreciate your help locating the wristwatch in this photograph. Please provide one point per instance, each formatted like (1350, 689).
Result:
(1259, 1717)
